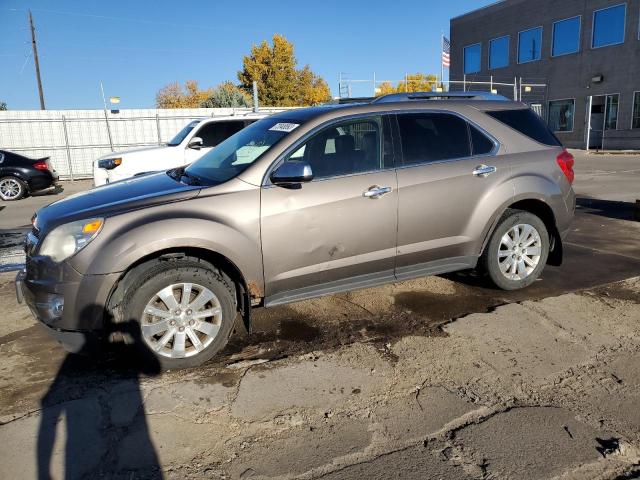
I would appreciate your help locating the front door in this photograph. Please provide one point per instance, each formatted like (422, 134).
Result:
(448, 169)
(338, 231)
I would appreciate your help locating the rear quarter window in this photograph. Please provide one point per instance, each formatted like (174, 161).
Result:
(527, 122)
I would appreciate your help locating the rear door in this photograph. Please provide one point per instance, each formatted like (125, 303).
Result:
(213, 133)
(338, 231)
(448, 167)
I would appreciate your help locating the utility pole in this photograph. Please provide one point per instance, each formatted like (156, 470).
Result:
(36, 60)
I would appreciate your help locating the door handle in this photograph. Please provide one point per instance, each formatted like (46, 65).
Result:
(376, 192)
(484, 170)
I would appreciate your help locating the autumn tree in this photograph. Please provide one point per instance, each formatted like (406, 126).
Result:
(227, 95)
(280, 83)
(416, 82)
(175, 96)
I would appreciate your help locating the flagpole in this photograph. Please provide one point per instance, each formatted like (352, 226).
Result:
(441, 60)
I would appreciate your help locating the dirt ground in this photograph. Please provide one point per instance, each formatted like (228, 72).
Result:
(441, 377)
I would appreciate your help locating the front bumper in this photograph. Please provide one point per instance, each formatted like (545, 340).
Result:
(69, 304)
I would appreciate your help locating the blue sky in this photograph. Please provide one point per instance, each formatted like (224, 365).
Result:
(136, 47)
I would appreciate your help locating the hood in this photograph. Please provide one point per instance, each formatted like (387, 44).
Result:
(113, 198)
(158, 148)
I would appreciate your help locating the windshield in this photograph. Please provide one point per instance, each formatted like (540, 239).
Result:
(177, 140)
(237, 152)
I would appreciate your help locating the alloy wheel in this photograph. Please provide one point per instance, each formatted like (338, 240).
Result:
(519, 252)
(181, 320)
(10, 188)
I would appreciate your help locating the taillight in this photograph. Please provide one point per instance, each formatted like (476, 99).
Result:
(565, 162)
(41, 166)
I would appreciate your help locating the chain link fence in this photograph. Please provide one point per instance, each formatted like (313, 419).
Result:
(73, 139)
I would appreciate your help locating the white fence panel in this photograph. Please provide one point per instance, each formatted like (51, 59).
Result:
(41, 133)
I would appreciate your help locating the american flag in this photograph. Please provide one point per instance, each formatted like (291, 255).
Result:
(446, 52)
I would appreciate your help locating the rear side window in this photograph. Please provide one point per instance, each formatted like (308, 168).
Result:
(527, 122)
(432, 137)
(480, 143)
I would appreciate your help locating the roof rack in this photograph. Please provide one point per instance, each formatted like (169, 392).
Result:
(406, 97)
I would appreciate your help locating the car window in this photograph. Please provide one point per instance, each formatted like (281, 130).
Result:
(347, 148)
(182, 134)
(527, 122)
(213, 133)
(432, 137)
(480, 143)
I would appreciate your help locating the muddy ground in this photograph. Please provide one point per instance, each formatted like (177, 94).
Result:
(442, 377)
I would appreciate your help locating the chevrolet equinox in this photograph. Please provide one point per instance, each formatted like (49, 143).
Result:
(301, 204)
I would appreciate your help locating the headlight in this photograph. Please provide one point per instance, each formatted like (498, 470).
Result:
(70, 238)
(109, 163)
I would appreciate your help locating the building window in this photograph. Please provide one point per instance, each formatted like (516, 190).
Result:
(561, 115)
(566, 37)
(472, 55)
(635, 119)
(529, 43)
(499, 52)
(611, 112)
(608, 26)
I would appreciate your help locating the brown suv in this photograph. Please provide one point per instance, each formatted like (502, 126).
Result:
(301, 204)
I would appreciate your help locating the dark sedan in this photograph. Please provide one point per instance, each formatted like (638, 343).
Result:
(20, 175)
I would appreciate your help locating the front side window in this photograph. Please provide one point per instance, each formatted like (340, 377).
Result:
(499, 52)
(529, 45)
(182, 134)
(608, 26)
(213, 133)
(611, 112)
(343, 149)
(432, 137)
(566, 37)
(561, 115)
(472, 58)
(635, 121)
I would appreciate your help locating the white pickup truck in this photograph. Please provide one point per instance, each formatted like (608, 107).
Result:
(193, 141)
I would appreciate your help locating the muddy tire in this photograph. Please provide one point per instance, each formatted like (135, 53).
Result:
(517, 250)
(182, 310)
(12, 188)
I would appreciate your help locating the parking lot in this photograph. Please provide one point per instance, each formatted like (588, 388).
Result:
(444, 375)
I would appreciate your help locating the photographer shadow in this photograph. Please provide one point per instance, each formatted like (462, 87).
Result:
(96, 407)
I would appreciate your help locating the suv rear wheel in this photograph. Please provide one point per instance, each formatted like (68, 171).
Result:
(184, 310)
(517, 250)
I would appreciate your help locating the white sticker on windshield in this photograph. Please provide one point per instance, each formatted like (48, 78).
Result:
(284, 127)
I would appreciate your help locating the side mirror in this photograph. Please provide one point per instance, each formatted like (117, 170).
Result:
(292, 173)
(195, 143)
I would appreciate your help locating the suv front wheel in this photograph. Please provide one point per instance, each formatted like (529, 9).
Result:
(184, 309)
(517, 250)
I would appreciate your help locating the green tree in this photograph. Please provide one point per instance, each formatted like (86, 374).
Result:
(312, 89)
(227, 95)
(280, 83)
(174, 96)
(415, 82)
(3, 106)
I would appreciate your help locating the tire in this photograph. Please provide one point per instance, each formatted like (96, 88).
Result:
(499, 256)
(180, 336)
(12, 188)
